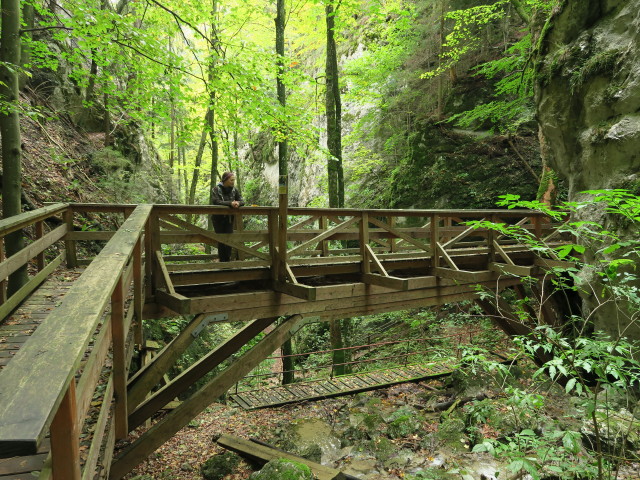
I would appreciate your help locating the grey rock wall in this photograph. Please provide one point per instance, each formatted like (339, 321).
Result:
(588, 106)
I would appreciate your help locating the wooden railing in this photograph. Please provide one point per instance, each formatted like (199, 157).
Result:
(367, 240)
(48, 386)
(41, 243)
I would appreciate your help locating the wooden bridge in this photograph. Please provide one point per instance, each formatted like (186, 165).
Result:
(69, 335)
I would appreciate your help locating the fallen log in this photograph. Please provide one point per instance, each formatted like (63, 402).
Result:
(458, 402)
(263, 454)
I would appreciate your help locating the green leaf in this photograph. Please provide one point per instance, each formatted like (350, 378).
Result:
(570, 384)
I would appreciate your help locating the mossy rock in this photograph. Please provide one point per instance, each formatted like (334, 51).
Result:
(216, 467)
(142, 477)
(372, 421)
(382, 448)
(353, 435)
(451, 433)
(403, 426)
(313, 453)
(281, 469)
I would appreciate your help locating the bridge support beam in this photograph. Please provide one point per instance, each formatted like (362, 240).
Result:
(196, 371)
(183, 414)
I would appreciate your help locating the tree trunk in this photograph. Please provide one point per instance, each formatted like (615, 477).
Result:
(339, 358)
(25, 55)
(282, 94)
(283, 167)
(334, 115)
(10, 131)
(288, 374)
(196, 168)
(215, 155)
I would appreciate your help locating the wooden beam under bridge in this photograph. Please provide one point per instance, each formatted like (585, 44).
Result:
(159, 433)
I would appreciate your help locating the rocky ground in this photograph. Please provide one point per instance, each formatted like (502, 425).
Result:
(413, 431)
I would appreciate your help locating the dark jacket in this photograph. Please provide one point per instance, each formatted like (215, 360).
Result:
(224, 196)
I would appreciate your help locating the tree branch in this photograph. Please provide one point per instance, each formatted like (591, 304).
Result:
(173, 67)
(53, 27)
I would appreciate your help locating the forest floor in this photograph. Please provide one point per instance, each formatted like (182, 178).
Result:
(439, 447)
(181, 457)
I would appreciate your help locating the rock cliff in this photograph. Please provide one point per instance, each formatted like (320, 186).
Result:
(588, 105)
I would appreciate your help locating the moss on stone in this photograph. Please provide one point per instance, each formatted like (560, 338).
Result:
(218, 466)
(598, 64)
(281, 469)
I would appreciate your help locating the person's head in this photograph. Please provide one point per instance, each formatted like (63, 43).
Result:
(228, 179)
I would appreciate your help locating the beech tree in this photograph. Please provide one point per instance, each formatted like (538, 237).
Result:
(10, 131)
(333, 105)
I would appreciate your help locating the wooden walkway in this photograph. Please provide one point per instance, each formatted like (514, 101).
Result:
(66, 345)
(19, 326)
(342, 385)
(14, 333)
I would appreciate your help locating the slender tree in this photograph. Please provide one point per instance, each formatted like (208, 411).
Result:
(287, 347)
(334, 114)
(213, 52)
(333, 105)
(25, 47)
(10, 131)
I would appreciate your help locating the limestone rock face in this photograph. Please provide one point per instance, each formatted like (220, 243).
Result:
(588, 102)
(588, 93)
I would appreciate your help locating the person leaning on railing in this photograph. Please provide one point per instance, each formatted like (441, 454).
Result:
(225, 193)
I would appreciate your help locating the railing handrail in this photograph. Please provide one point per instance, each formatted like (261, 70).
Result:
(34, 383)
(11, 224)
(256, 210)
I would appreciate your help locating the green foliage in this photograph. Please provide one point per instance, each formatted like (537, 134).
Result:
(601, 372)
(512, 72)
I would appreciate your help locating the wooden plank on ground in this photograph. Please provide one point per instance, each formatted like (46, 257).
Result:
(264, 454)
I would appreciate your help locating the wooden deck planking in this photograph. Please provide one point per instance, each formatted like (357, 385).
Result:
(23, 322)
(15, 332)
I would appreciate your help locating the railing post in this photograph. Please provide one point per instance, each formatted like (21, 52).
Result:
(70, 245)
(65, 438)
(273, 244)
(537, 226)
(154, 245)
(447, 224)
(148, 258)
(39, 234)
(393, 246)
(435, 257)
(491, 236)
(239, 227)
(119, 360)
(324, 224)
(138, 291)
(364, 241)
(3, 283)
